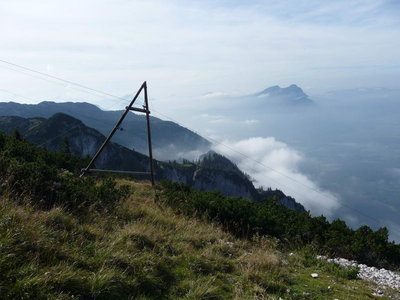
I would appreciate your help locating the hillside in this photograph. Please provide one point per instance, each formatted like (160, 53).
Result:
(143, 250)
(83, 141)
(62, 237)
(212, 172)
(169, 138)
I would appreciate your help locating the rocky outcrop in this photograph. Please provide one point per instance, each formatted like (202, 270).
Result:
(281, 199)
(213, 172)
(382, 277)
(291, 204)
(228, 184)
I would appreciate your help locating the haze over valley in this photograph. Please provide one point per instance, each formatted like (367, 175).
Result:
(333, 153)
(200, 149)
(345, 142)
(302, 97)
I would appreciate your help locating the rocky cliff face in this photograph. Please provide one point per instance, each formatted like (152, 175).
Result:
(213, 172)
(216, 171)
(281, 199)
(290, 203)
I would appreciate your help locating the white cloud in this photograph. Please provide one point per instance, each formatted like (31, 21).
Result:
(274, 164)
(352, 220)
(214, 119)
(212, 95)
(190, 47)
(251, 122)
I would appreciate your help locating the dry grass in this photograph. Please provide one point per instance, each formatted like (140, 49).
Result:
(143, 250)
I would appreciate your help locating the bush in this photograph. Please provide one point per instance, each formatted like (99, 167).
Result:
(44, 179)
(293, 229)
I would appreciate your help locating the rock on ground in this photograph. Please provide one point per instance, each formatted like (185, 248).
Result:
(382, 277)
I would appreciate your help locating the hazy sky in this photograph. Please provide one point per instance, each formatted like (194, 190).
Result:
(191, 48)
(191, 51)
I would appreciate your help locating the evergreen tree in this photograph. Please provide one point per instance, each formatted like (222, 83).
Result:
(65, 146)
(17, 135)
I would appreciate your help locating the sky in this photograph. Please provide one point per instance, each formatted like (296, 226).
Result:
(191, 52)
(185, 49)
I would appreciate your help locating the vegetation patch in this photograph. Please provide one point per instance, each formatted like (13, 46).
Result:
(293, 229)
(62, 237)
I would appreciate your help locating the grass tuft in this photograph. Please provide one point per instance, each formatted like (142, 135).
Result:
(144, 250)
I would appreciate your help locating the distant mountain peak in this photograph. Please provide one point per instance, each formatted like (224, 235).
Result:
(294, 87)
(277, 90)
(272, 89)
(292, 94)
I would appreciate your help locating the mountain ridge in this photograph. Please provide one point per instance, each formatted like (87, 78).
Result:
(169, 138)
(212, 172)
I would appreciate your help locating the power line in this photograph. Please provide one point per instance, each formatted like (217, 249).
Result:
(120, 100)
(77, 86)
(60, 81)
(168, 117)
(216, 142)
(75, 127)
(57, 78)
(96, 92)
(274, 170)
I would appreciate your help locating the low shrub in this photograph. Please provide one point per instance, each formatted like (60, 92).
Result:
(46, 179)
(294, 229)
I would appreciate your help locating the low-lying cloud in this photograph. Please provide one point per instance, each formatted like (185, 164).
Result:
(274, 164)
(173, 152)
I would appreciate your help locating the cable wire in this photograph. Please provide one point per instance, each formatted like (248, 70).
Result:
(96, 92)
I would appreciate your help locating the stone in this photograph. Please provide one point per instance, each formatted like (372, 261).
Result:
(384, 278)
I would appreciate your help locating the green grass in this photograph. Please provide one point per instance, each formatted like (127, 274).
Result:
(333, 280)
(143, 250)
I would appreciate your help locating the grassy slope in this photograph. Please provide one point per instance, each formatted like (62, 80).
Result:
(143, 250)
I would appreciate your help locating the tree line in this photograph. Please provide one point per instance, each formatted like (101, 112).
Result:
(293, 229)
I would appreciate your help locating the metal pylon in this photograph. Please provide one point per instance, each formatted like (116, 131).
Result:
(130, 107)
